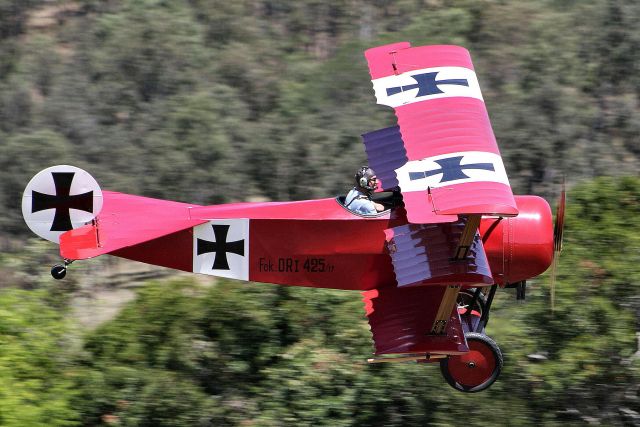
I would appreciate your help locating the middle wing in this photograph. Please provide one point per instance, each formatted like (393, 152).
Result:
(443, 154)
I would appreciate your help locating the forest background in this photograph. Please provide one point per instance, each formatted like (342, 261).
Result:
(217, 101)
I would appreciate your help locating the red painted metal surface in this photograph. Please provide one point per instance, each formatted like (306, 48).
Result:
(316, 210)
(377, 57)
(519, 248)
(172, 251)
(335, 254)
(447, 125)
(127, 220)
(471, 198)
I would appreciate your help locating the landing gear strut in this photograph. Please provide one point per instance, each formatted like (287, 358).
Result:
(58, 271)
(480, 367)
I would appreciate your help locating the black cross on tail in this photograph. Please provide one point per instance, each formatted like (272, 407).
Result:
(451, 169)
(221, 247)
(62, 201)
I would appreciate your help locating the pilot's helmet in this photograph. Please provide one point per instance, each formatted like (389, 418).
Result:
(366, 179)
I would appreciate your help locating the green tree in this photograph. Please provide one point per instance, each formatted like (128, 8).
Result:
(36, 384)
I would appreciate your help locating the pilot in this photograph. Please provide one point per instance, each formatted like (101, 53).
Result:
(358, 200)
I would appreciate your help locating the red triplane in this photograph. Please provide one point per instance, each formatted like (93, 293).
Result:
(423, 265)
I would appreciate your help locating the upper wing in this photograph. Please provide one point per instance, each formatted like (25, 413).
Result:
(126, 220)
(443, 154)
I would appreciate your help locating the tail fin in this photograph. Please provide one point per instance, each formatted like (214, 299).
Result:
(58, 199)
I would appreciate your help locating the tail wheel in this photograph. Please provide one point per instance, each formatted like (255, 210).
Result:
(58, 271)
(476, 370)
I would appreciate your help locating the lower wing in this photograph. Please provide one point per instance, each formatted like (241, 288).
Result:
(406, 320)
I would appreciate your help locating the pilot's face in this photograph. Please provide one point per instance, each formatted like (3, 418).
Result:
(373, 182)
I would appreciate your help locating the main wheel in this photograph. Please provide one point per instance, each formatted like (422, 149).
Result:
(476, 370)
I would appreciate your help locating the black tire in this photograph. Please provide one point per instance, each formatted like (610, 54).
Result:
(58, 271)
(476, 370)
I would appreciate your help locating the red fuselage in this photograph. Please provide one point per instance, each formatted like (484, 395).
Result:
(318, 243)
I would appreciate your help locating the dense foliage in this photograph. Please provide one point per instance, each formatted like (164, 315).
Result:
(214, 101)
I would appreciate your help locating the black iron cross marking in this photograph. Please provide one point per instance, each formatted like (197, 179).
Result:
(451, 169)
(220, 247)
(61, 201)
(426, 84)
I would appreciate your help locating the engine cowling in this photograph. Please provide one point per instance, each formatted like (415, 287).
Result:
(521, 247)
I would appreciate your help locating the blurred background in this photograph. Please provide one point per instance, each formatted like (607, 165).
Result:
(216, 101)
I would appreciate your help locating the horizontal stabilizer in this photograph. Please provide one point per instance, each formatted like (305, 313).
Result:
(125, 221)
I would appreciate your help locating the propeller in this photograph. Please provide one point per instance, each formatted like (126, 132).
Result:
(558, 230)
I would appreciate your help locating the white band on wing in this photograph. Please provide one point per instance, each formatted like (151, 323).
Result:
(426, 84)
(451, 168)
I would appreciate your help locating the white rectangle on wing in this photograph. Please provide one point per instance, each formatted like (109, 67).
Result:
(426, 84)
(451, 168)
(221, 248)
